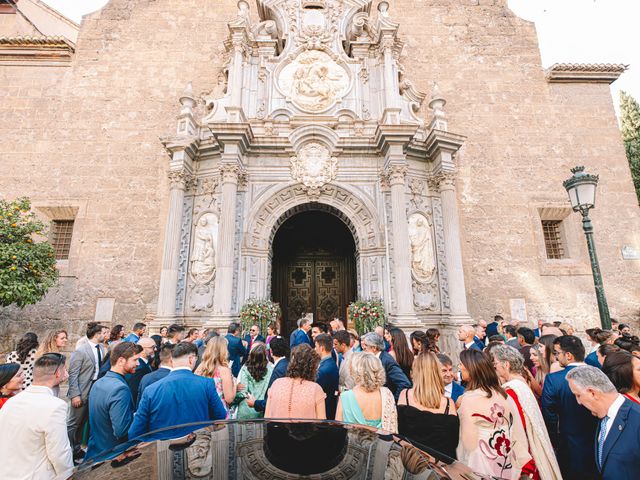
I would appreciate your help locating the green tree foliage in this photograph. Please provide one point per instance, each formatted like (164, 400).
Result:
(27, 268)
(630, 116)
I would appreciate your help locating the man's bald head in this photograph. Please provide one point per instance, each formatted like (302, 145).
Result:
(148, 347)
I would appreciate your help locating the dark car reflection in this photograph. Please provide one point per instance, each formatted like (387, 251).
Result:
(272, 450)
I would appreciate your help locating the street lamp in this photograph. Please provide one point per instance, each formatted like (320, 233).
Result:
(581, 188)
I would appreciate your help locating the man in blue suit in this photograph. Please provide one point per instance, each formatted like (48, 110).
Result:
(136, 334)
(179, 398)
(328, 376)
(396, 379)
(163, 370)
(301, 335)
(279, 348)
(452, 389)
(143, 368)
(493, 327)
(617, 438)
(467, 335)
(571, 426)
(252, 337)
(110, 402)
(237, 348)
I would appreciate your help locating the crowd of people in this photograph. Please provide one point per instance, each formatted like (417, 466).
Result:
(520, 403)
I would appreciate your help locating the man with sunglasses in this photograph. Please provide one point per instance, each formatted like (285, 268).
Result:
(111, 402)
(33, 426)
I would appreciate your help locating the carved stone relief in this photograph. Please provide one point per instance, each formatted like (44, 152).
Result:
(314, 166)
(443, 278)
(203, 253)
(422, 258)
(314, 81)
(185, 241)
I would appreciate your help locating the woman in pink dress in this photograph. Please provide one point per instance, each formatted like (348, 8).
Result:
(215, 365)
(298, 395)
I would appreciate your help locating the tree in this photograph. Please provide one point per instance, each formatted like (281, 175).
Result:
(27, 268)
(630, 116)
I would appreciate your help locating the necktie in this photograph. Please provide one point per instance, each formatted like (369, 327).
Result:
(99, 355)
(601, 438)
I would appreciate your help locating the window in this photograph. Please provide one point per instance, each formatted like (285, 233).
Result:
(61, 232)
(551, 229)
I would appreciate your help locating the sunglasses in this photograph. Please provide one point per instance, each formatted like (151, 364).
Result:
(60, 358)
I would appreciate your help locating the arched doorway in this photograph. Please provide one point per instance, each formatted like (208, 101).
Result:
(314, 268)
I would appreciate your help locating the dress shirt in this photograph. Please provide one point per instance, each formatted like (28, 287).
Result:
(612, 412)
(277, 361)
(95, 356)
(467, 346)
(448, 390)
(180, 368)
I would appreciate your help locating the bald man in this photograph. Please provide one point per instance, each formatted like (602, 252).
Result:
(144, 366)
(466, 334)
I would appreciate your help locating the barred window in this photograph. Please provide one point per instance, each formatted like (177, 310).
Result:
(553, 243)
(61, 232)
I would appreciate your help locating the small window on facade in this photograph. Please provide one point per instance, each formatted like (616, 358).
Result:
(552, 230)
(61, 232)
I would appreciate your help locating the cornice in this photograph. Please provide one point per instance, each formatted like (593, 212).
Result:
(43, 51)
(584, 72)
(438, 140)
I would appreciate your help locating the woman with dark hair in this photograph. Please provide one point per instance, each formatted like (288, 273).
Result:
(298, 395)
(603, 351)
(400, 350)
(623, 369)
(601, 337)
(11, 379)
(492, 438)
(25, 355)
(419, 341)
(164, 333)
(117, 334)
(433, 337)
(254, 375)
(546, 345)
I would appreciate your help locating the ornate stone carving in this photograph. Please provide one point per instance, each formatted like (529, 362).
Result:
(314, 81)
(443, 277)
(200, 455)
(446, 180)
(314, 166)
(422, 258)
(203, 254)
(230, 172)
(394, 174)
(181, 179)
(183, 259)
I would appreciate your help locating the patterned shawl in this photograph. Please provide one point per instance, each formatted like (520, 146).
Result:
(389, 412)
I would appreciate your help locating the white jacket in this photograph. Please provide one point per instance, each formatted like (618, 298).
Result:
(33, 437)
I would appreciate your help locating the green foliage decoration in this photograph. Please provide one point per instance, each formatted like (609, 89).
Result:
(27, 267)
(365, 315)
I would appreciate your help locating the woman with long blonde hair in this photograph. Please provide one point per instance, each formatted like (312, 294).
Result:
(425, 414)
(54, 342)
(215, 365)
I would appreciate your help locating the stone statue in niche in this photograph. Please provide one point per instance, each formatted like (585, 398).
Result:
(422, 259)
(314, 81)
(203, 254)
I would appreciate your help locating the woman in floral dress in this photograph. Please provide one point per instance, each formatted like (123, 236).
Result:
(215, 365)
(492, 439)
(255, 376)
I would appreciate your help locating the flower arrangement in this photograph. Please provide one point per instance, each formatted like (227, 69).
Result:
(366, 315)
(259, 312)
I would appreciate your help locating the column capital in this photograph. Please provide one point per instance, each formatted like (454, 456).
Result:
(394, 174)
(444, 180)
(181, 179)
(232, 173)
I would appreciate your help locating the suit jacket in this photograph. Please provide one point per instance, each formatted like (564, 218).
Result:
(236, 353)
(279, 371)
(149, 379)
(33, 436)
(571, 427)
(132, 337)
(396, 379)
(247, 338)
(328, 377)
(82, 367)
(299, 337)
(180, 397)
(513, 343)
(110, 413)
(621, 450)
(592, 359)
(456, 391)
(492, 329)
(134, 379)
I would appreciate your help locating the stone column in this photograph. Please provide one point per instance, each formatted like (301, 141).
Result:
(226, 241)
(180, 180)
(452, 248)
(401, 248)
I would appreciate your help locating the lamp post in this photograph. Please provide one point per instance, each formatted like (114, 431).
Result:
(581, 188)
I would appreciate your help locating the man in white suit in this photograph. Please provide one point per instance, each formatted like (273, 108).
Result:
(33, 427)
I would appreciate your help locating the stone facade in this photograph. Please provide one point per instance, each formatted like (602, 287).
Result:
(429, 126)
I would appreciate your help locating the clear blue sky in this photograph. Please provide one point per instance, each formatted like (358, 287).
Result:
(569, 31)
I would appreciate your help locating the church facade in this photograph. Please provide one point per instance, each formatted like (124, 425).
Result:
(195, 155)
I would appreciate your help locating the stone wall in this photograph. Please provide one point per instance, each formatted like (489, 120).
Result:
(88, 136)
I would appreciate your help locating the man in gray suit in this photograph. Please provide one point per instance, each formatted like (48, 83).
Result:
(83, 371)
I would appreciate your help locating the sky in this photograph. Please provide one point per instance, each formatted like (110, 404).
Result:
(569, 31)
